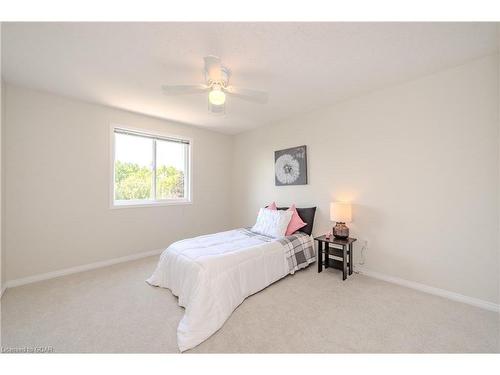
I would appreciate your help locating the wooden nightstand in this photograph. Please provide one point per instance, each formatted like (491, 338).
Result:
(345, 253)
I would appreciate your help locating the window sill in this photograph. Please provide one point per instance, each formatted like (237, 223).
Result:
(139, 204)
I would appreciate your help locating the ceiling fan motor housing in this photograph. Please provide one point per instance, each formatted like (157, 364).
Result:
(225, 73)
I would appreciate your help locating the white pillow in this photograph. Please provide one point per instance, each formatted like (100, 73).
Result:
(272, 223)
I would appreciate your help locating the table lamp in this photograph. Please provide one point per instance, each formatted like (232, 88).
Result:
(341, 213)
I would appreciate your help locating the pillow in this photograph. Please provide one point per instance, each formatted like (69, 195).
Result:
(272, 223)
(307, 215)
(272, 206)
(295, 222)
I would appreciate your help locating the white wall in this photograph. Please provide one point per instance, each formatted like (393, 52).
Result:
(57, 196)
(2, 253)
(498, 37)
(420, 162)
(498, 120)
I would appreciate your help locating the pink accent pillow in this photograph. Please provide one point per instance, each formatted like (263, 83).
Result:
(295, 222)
(272, 206)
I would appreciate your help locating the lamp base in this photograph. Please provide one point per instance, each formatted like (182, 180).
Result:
(341, 231)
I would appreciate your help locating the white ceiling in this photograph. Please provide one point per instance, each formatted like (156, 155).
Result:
(303, 66)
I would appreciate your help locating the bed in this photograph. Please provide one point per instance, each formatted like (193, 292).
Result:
(211, 275)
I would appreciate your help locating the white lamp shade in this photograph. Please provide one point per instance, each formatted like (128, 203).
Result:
(340, 212)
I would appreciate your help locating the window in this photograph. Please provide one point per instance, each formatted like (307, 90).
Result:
(149, 169)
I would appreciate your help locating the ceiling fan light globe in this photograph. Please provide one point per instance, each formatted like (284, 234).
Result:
(217, 97)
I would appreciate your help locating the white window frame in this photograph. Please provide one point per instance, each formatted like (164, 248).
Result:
(158, 202)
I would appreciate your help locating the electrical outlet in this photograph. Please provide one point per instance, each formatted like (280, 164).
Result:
(364, 247)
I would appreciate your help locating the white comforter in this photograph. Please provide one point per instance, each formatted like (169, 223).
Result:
(213, 274)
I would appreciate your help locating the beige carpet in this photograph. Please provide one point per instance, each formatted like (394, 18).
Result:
(113, 310)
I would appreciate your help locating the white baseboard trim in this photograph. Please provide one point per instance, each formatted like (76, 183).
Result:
(431, 290)
(85, 267)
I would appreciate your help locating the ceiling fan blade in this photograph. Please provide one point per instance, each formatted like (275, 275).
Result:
(184, 89)
(255, 96)
(213, 68)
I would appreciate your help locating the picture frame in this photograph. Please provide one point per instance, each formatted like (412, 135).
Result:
(290, 166)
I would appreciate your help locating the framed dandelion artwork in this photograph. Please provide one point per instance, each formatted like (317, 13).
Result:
(290, 166)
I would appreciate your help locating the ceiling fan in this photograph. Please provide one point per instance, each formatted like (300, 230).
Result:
(217, 85)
